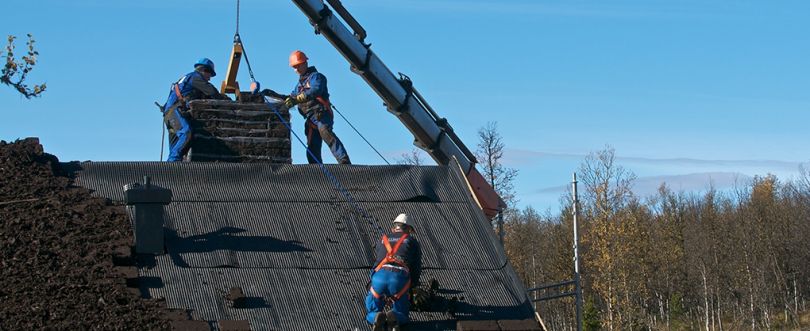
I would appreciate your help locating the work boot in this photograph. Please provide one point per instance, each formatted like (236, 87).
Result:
(393, 324)
(379, 322)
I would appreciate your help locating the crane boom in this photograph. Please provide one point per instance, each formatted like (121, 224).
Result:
(431, 133)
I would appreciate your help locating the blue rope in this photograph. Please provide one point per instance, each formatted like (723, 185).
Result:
(329, 175)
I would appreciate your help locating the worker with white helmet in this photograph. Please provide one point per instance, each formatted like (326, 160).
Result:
(398, 267)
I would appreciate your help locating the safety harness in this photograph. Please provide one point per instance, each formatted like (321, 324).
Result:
(303, 86)
(391, 260)
(177, 92)
(169, 113)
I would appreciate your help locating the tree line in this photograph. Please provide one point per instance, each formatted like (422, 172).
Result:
(719, 260)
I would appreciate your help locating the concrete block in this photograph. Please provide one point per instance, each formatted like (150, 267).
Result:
(122, 256)
(519, 325)
(190, 326)
(477, 326)
(236, 298)
(130, 275)
(234, 325)
(177, 314)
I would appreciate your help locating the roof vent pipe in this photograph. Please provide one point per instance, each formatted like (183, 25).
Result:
(147, 203)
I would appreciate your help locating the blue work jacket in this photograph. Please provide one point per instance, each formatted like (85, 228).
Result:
(192, 86)
(410, 251)
(313, 84)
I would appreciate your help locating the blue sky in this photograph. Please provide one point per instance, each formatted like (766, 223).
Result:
(689, 92)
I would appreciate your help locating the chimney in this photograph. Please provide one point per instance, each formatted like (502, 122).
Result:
(244, 132)
(147, 202)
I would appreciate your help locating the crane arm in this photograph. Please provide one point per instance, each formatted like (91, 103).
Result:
(431, 132)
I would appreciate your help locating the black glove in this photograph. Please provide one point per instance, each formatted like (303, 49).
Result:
(273, 94)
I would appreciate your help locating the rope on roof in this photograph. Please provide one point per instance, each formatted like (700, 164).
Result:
(371, 221)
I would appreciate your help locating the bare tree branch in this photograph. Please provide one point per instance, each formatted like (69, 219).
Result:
(414, 157)
(490, 154)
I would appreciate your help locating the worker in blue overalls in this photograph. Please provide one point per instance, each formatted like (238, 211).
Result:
(312, 97)
(398, 266)
(194, 85)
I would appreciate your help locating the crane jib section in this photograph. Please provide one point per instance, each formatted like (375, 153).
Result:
(399, 99)
(432, 133)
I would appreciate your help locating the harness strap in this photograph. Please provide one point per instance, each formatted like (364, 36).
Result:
(326, 104)
(387, 244)
(389, 256)
(397, 296)
(177, 93)
(373, 292)
(403, 290)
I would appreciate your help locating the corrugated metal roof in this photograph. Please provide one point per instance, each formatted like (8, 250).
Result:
(301, 255)
(328, 299)
(317, 235)
(201, 181)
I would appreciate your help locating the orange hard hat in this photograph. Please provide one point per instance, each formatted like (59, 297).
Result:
(297, 58)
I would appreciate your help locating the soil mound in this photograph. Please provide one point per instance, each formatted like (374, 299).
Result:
(56, 248)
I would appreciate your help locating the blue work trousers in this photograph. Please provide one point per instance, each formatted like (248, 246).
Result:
(387, 283)
(318, 131)
(178, 145)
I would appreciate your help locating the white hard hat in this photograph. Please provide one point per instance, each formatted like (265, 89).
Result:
(402, 218)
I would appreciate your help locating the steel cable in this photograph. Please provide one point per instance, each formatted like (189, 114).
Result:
(334, 180)
(361, 135)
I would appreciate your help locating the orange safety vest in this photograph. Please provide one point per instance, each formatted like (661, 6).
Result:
(389, 258)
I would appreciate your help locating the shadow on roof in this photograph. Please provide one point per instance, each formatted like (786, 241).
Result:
(226, 239)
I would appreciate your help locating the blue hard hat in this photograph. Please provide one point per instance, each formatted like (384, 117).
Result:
(206, 63)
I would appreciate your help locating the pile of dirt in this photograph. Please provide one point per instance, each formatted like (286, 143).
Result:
(56, 247)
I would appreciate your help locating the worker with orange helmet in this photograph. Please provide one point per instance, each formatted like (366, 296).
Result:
(312, 97)
(398, 267)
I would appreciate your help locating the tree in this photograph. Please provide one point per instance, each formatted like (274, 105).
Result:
(16, 71)
(490, 157)
(713, 261)
(414, 157)
(590, 318)
(607, 185)
(610, 233)
(490, 154)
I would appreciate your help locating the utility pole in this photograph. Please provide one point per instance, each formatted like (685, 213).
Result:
(577, 280)
(534, 283)
(501, 233)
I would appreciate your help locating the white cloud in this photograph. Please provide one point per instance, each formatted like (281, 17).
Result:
(523, 157)
(696, 182)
